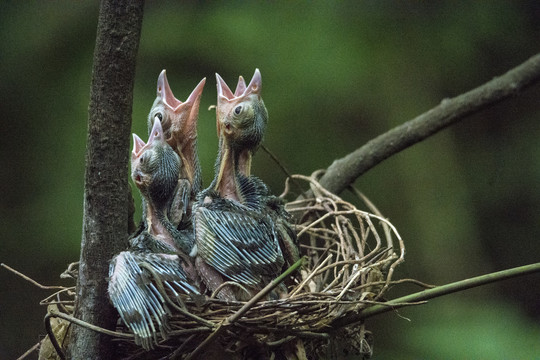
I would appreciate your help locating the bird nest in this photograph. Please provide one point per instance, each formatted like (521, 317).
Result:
(349, 257)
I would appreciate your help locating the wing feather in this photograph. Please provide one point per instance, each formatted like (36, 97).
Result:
(239, 244)
(137, 299)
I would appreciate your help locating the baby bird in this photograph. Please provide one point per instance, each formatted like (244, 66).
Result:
(234, 112)
(235, 229)
(159, 249)
(155, 171)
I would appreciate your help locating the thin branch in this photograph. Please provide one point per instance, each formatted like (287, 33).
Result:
(281, 166)
(343, 172)
(46, 287)
(436, 292)
(30, 351)
(278, 163)
(97, 329)
(83, 324)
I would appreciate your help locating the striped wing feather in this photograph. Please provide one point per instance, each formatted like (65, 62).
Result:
(241, 245)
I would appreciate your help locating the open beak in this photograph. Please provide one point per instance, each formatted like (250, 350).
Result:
(240, 87)
(195, 95)
(223, 90)
(138, 144)
(156, 134)
(193, 101)
(255, 85)
(164, 91)
(226, 95)
(191, 104)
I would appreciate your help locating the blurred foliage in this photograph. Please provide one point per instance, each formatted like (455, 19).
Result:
(335, 74)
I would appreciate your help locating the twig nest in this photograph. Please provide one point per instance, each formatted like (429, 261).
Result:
(350, 256)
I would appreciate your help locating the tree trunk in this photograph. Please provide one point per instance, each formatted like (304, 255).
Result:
(107, 195)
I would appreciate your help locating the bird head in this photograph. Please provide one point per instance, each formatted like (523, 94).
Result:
(241, 116)
(175, 116)
(179, 121)
(155, 166)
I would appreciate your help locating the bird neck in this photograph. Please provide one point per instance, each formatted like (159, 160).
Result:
(232, 164)
(191, 168)
(155, 226)
(162, 230)
(243, 163)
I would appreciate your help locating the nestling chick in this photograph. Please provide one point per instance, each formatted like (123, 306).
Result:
(237, 232)
(241, 122)
(160, 249)
(155, 171)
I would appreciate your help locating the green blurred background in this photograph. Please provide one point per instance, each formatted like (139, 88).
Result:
(335, 75)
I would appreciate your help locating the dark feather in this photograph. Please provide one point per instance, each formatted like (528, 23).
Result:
(136, 297)
(241, 245)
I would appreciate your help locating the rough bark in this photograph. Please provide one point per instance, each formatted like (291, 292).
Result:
(106, 206)
(343, 172)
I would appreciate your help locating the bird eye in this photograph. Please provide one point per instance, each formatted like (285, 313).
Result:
(238, 110)
(159, 116)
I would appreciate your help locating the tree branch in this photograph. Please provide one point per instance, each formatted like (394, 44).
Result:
(436, 292)
(343, 172)
(106, 199)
